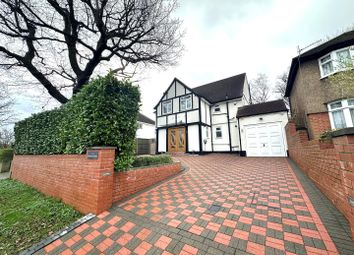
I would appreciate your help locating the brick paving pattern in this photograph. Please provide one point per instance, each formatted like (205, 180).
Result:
(224, 204)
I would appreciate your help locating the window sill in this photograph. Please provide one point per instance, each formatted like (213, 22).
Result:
(343, 131)
(338, 71)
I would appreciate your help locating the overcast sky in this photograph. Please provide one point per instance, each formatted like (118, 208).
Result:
(227, 37)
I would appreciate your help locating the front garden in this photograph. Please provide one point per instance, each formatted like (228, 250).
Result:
(27, 216)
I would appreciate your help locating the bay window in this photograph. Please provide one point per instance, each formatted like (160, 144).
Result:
(341, 113)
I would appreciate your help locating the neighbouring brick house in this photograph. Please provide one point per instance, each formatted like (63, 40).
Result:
(315, 104)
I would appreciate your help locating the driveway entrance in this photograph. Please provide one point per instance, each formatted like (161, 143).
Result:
(222, 205)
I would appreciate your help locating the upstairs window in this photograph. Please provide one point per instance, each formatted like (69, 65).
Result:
(326, 65)
(186, 103)
(167, 107)
(336, 61)
(341, 114)
(217, 108)
(218, 132)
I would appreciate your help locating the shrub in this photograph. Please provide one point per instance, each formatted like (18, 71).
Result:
(103, 113)
(6, 154)
(5, 159)
(151, 160)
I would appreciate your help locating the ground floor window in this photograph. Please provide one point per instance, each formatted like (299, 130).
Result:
(341, 113)
(218, 132)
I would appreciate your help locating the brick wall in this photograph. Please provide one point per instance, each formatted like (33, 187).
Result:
(128, 183)
(86, 184)
(318, 123)
(89, 185)
(329, 164)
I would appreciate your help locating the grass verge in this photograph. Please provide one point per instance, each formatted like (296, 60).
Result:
(27, 216)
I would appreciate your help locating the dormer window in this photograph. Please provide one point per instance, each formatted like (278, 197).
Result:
(167, 107)
(186, 103)
(335, 61)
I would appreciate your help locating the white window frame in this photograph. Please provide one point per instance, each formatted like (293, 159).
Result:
(168, 105)
(187, 105)
(345, 108)
(217, 107)
(334, 59)
(218, 129)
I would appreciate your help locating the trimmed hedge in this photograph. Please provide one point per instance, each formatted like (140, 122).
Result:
(151, 160)
(103, 113)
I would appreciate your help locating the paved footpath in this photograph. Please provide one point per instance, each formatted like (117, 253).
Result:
(223, 204)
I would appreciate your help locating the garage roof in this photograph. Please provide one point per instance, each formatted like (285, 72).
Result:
(144, 119)
(262, 108)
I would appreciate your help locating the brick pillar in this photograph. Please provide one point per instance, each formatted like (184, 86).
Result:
(318, 123)
(102, 198)
(344, 146)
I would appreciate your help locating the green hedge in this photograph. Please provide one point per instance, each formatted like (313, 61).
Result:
(6, 154)
(151, 160)
(103, 113)
(5, 159)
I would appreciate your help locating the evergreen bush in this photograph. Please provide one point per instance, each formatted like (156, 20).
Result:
(103, 113)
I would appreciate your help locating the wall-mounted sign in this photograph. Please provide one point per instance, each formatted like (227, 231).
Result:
(92, 154)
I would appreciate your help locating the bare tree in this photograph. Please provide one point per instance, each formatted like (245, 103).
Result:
(5, 106)
(260, 90)
(6, 138)
(61, 43)
(280, 86)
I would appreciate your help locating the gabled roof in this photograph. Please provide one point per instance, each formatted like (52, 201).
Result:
(262, 108)
(144, 119)
(217, 91)
(225, 89)
(344, 40)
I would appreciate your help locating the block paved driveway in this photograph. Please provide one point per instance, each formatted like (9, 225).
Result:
(223, 204)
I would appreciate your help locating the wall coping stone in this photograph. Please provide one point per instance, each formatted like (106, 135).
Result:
(343, 131)
(102, 148)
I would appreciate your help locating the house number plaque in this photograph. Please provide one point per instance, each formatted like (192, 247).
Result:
(92, 154)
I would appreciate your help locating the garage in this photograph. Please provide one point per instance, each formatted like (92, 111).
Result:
(262, 129)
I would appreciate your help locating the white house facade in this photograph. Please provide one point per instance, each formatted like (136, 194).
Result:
(204, 118)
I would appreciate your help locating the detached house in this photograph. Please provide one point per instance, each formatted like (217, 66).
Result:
(204, 119)
(315, 103)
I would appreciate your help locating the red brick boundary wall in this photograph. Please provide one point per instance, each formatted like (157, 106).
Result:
(86, 182)
(133, 181)
(330, 165)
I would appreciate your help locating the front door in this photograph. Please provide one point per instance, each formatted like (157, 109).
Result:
(177, 139)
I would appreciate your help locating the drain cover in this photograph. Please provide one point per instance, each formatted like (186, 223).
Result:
(215, 208)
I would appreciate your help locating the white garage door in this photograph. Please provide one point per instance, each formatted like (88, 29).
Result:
(265, 140)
